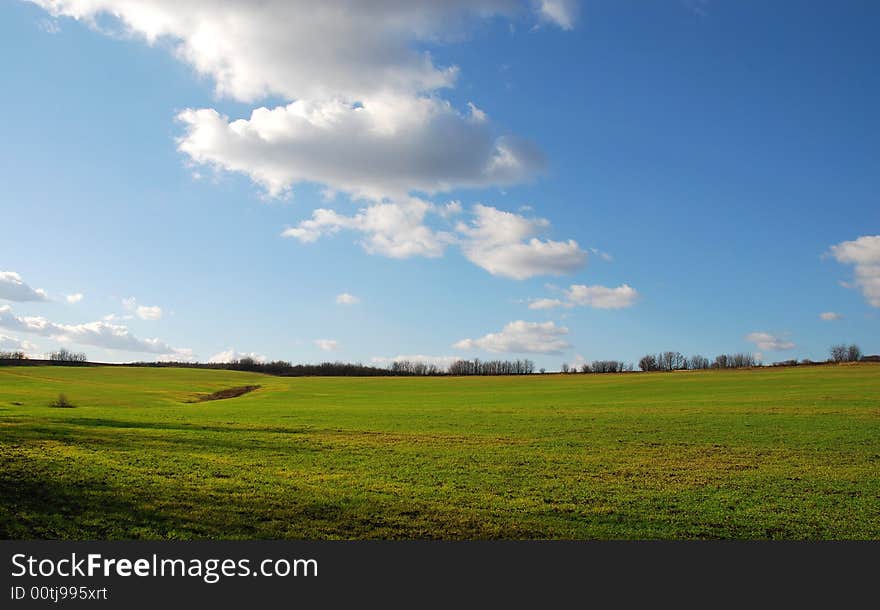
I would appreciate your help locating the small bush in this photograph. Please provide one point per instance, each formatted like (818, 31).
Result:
(62, 403)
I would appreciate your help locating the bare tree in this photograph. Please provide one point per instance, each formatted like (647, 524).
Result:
(610, 366)
(698, 363)
(839, 353)
(845, 353)
(648, 363)
(853, 353)
(671, 361)
(734, 361)
(66, 357)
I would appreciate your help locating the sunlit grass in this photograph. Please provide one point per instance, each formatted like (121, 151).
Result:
(781, 453)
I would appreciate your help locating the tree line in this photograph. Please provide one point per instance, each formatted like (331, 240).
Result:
(62, 357)
(67, 357)
(281, 368)
(663, 361)
(398, 368)
(491, 367)
(598, 366)
(676, 361)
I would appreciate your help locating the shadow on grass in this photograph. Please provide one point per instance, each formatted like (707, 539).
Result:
(51, 492)
(47, 508)
(88, 422)
(56, 507)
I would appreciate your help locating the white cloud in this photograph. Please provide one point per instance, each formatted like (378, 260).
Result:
(547, 304)
(561, 12)
(768, 342)
(74, 298)
(327, 345)
(500, 242)
(300, 49)
(13, 288)
(830, 315)
(384, 146)
(152, 312)
(504, 243)
(602, 297)
(232, 354)
(13, 344)
(366, 118)
(99, 334)
(598, 297)
(521, 337)
(441, 361)
(347, 299)
(864, 254)
(395, 230)
(183, 354)
(603, 255)
(364, 115)
(144, 312)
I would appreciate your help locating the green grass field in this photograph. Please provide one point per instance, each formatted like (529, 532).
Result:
(774, 453)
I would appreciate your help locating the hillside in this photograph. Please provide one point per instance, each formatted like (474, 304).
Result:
(765, 453)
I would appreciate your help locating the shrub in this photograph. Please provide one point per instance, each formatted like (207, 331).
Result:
(845, 353)
(66, 357)
(62, 403)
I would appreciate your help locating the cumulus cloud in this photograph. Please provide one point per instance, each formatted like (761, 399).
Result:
(602, 297)
(395, 230)
(830, 315)
(365, 117)
(505, 244)
(301, 49)
(347, 299)
(442, 362)
(500, 242)
(149, 312)
(598, 297)
(99, 334)
(363, 114)
(769, 342)
(13, 344)
(548, 304)
(74, 298)
(144, 312)
(13, 288)
(521, 337)
(382, 147)
(327, 345)
(563, 13)
(864, 254)
(232, 355)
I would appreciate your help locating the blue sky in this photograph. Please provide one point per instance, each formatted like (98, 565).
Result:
(631, 177)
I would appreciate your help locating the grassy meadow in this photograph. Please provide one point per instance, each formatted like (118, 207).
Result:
(788, 453)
